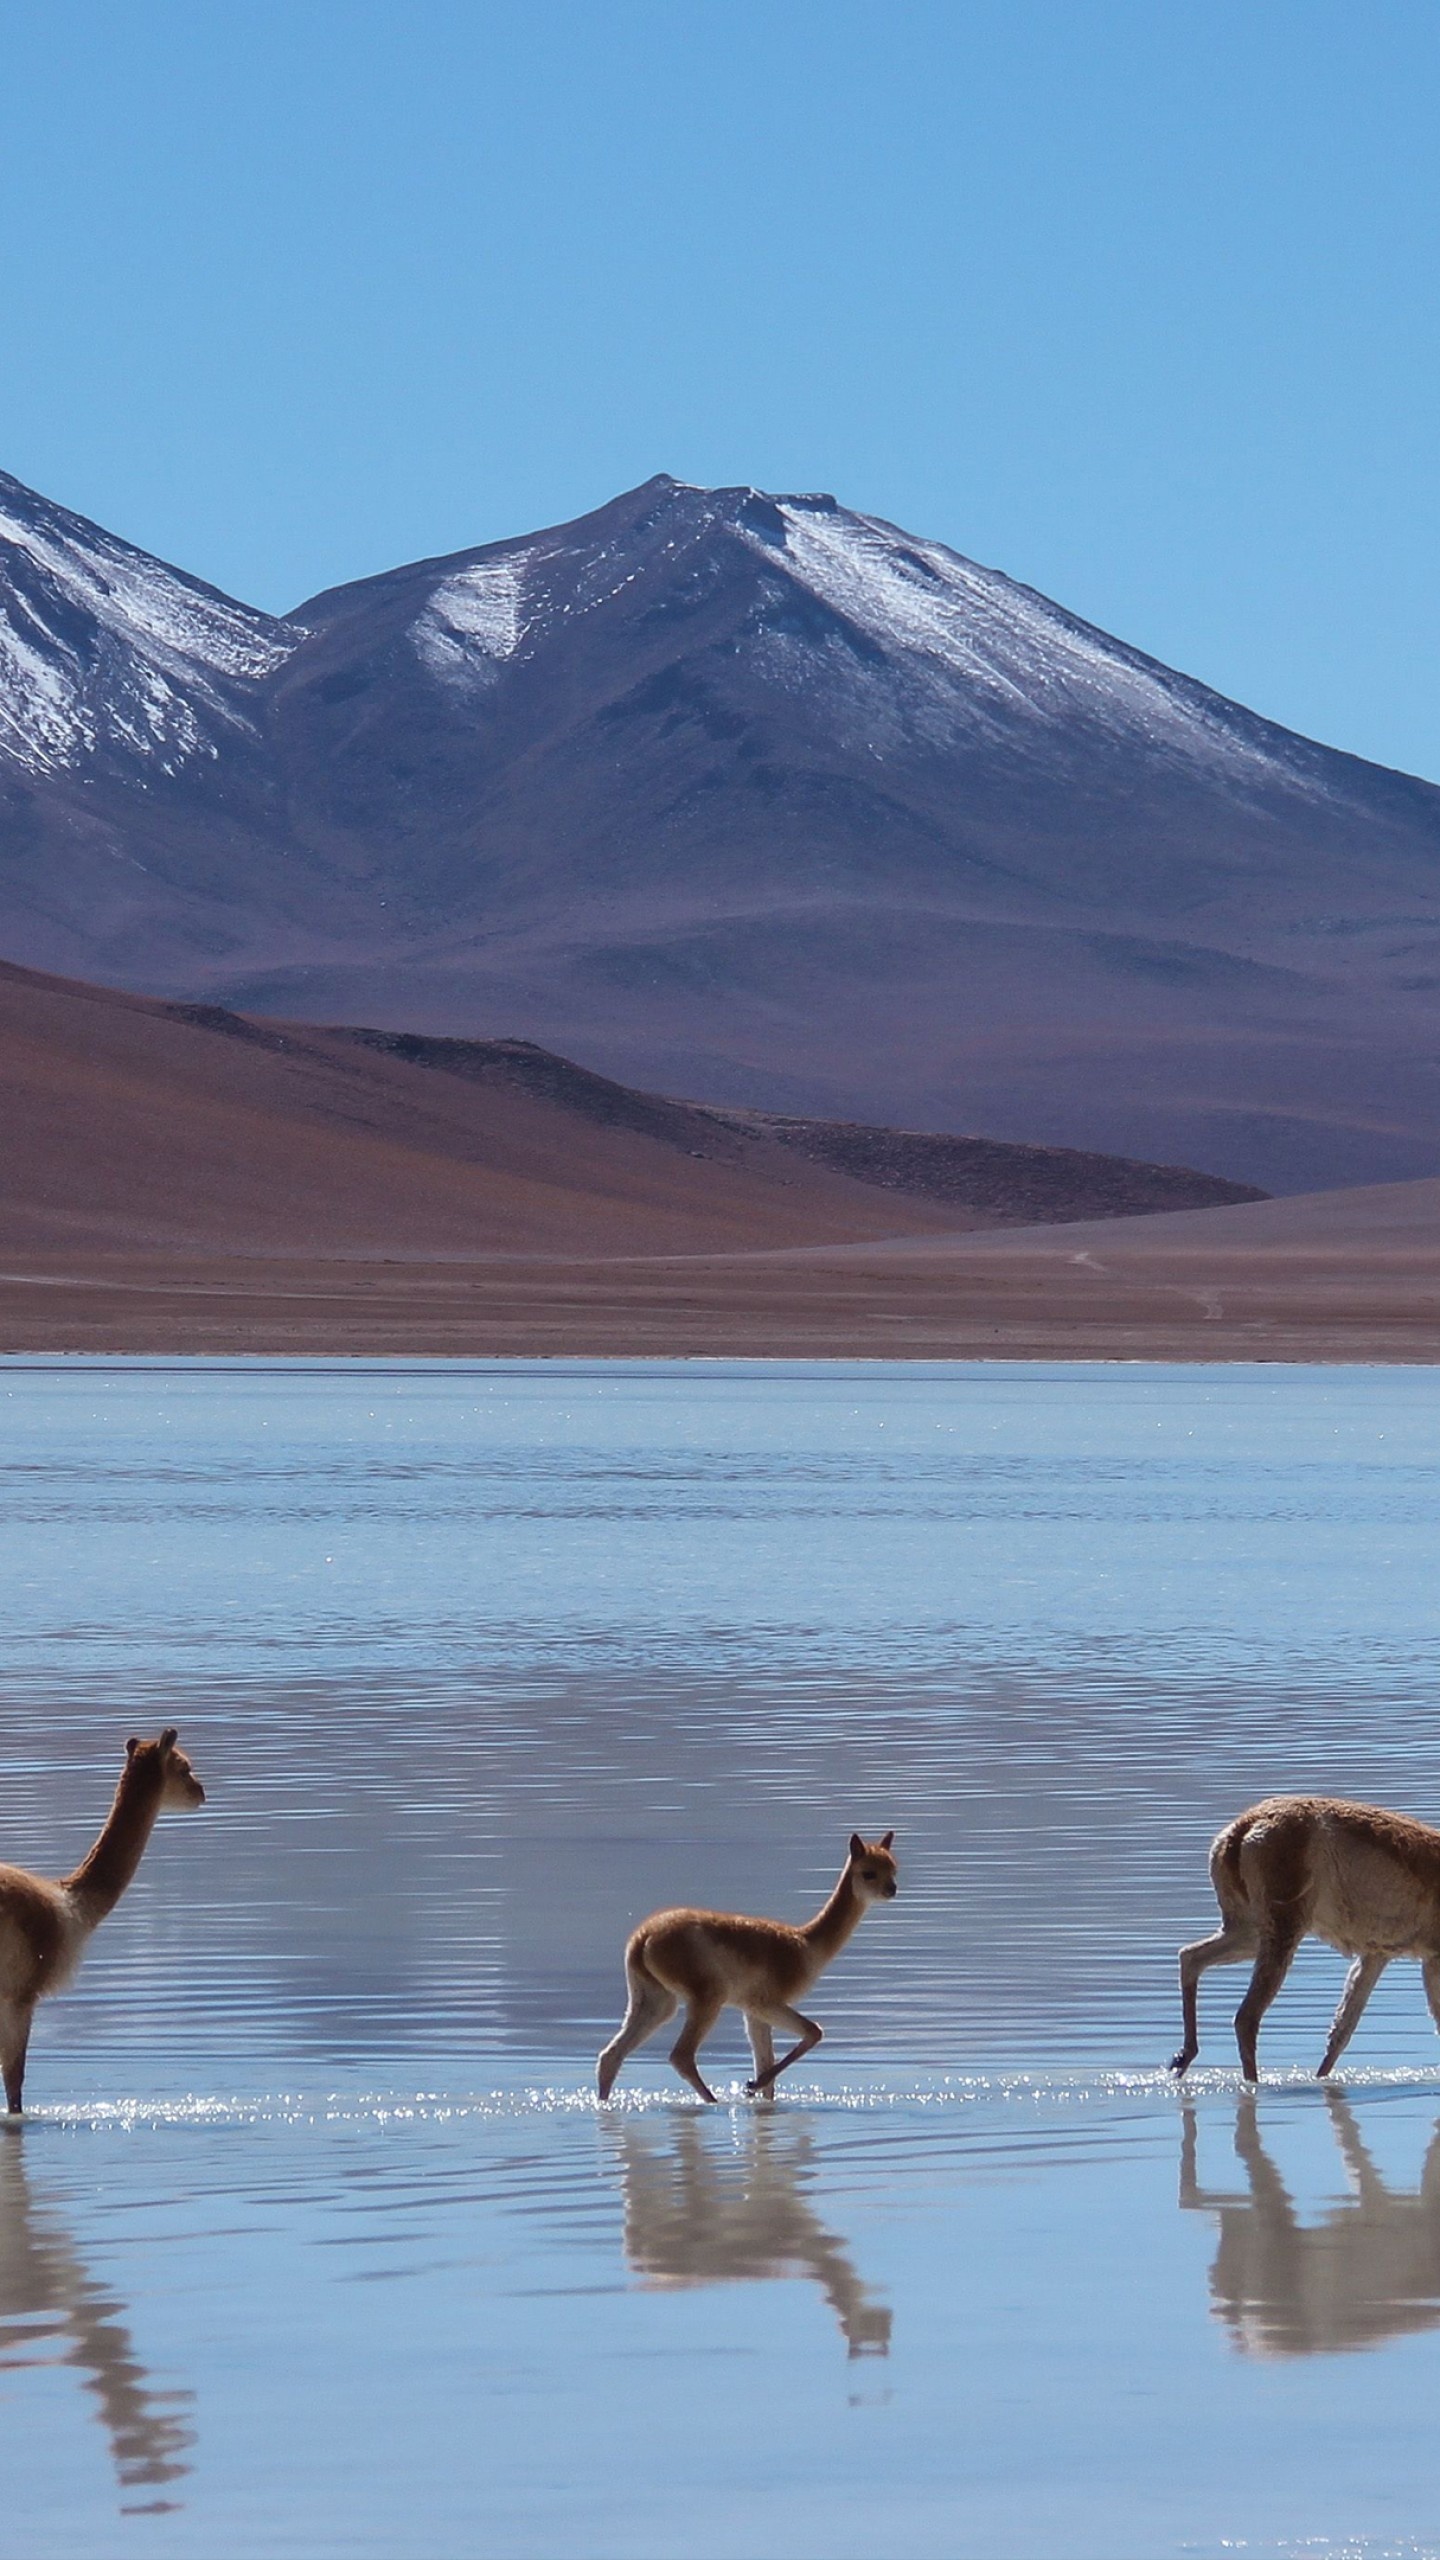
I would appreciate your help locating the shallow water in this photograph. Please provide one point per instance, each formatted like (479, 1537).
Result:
(314, 2240)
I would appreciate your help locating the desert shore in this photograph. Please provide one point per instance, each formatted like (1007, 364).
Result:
(1338, 1276)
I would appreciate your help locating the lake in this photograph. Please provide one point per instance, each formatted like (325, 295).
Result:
(314, 2239)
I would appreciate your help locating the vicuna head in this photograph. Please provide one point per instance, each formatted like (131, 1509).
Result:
(162, 1764)
(872, 1868)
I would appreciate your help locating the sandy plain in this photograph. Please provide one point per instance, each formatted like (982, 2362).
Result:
(1348, 1276)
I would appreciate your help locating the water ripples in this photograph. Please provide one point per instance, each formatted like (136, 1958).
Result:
(479, 1662)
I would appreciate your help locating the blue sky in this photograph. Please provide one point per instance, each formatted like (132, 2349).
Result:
(1137, 302)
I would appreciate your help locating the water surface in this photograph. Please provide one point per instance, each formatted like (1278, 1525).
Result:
(315, 2241)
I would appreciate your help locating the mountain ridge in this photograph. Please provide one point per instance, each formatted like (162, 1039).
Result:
(734, 793)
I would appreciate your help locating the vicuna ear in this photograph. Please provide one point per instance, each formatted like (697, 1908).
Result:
(857, 1845)
(169, 1737)
(889, 1836)
(132, 1746)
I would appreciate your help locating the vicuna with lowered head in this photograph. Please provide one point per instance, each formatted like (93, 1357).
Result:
(1366, 1881)
(44, 1924)
(714, 1960)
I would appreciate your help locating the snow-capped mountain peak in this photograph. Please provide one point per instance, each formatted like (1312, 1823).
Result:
(738, 794)
(873, 632)
(105, 652)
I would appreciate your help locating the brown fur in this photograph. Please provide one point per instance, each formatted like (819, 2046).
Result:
(713, 1960)
(1364, 1880)
(45, 1923)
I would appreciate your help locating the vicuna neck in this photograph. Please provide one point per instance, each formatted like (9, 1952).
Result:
(102, 1877)
(842, 1914)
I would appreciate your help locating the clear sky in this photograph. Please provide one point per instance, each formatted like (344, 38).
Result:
(1135, 299)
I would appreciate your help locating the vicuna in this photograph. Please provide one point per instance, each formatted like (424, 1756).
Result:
(714, 1960)
(1366, 1881)
(44, 1925)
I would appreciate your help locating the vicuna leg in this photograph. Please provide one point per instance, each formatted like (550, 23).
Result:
(808, 2035)
(1277, 1951)
(762, 2046)
(15, 2020)
(650, 2005)
(700, 2016)
(1230, 1945)
(1360, 1981)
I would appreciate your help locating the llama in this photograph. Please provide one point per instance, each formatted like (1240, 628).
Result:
(714, 1960)
(1366, 1881)
(44, 1926)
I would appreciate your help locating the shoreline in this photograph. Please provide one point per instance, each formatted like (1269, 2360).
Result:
(1004, 1300)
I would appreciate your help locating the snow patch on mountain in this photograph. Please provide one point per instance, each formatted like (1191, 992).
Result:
(975, 653)
(102, 646)
(473, 622)
(495, 611)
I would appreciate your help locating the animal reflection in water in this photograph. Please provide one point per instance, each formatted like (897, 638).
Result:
(53, 2311)
(698, 2211)
(1368, 2270)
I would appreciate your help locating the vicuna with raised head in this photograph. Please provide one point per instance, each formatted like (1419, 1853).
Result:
(1366, 1881)
(44, 1924)
(714, 1960)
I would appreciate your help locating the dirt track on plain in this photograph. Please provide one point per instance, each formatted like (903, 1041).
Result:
(1013, 1303)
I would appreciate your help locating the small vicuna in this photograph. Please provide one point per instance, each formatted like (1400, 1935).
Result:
(714, 1960)
(1365, 1881)
(45, 1923)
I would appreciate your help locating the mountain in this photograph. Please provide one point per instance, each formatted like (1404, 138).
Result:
(743, 796)
(135, 1126)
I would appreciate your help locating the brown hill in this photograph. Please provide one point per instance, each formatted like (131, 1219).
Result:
(990, 1183)
(135, 1126)
(182, 1179)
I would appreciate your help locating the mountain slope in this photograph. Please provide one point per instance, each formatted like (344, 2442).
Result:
(759, 798)
(110, 661)
(136, 1126)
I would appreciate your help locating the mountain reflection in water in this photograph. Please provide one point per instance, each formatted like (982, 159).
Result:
(1368, 2270)
(696, 2214)
(53, 2311)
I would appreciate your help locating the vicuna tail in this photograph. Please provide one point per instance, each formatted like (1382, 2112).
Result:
(1226, 1873)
